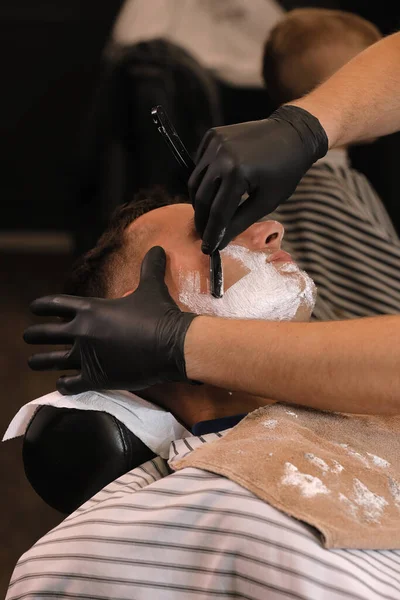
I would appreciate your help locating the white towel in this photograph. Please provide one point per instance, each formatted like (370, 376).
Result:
(150, 423)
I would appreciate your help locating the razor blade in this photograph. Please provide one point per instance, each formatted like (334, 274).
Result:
(216, 275)
(182, 156)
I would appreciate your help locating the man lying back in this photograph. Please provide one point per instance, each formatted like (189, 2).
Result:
(193, 534)
(260, 280)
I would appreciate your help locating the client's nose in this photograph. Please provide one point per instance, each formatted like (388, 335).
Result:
(261, 236)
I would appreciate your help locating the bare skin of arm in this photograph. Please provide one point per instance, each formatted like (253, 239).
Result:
(362, 99)
(348, 366)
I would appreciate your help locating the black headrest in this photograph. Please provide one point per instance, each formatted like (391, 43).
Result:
(69, 455)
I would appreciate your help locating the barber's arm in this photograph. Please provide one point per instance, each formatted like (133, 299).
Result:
(143, 339)
(346, 366)
(362, 99)
(267, 158)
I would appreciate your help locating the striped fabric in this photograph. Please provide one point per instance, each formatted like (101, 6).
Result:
(338, 230)
(192, 535)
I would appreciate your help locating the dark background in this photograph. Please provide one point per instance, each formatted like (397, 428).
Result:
(50, 60)
(51, 57)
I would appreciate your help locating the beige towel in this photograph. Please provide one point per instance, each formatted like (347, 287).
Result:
(339, 473)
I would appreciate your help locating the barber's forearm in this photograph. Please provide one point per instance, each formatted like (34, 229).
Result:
(347, 366)
(362, 99)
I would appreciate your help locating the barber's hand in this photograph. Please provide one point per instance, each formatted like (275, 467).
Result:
(129, 343)
(265, 159)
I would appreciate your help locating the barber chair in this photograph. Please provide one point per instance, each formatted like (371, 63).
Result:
(69, 455)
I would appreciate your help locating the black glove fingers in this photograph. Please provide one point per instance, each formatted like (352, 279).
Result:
(205, 196)
(56, 306)
(246, 215)
(207, 140)
(221, 211)
(57, 360)
(202, 168)
(74, 384)
(152, 271)
(195, 181)
(48, 333)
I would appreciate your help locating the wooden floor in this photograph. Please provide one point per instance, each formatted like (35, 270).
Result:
(24, 517)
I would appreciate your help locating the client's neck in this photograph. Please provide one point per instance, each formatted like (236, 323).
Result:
(191, 404)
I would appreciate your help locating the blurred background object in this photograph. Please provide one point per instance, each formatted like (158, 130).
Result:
(121, 151)
(51, 55)
(78, 79)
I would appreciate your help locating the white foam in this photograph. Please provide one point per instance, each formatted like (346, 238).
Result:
(351, 507)
(394, 487)
(372, 504)
(291, 413)
(270, 423)
(317, 462)
(357, 455)
(321, 464)
(338, 468)
(267, 292)
(378, 461)
(309, 486)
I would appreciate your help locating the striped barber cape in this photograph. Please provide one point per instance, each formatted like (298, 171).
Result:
(338, 230)
(157, 535)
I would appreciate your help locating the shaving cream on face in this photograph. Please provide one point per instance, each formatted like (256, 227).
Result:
(267, 292)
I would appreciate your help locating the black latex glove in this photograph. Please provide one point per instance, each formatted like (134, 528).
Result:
(129, 343)
(265, 159)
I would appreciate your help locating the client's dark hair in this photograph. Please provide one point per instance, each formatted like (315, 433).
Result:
(93, 273)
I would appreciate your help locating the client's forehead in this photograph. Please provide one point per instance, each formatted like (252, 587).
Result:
(167, 220)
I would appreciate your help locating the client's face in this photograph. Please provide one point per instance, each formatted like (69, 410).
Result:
(261, 281)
